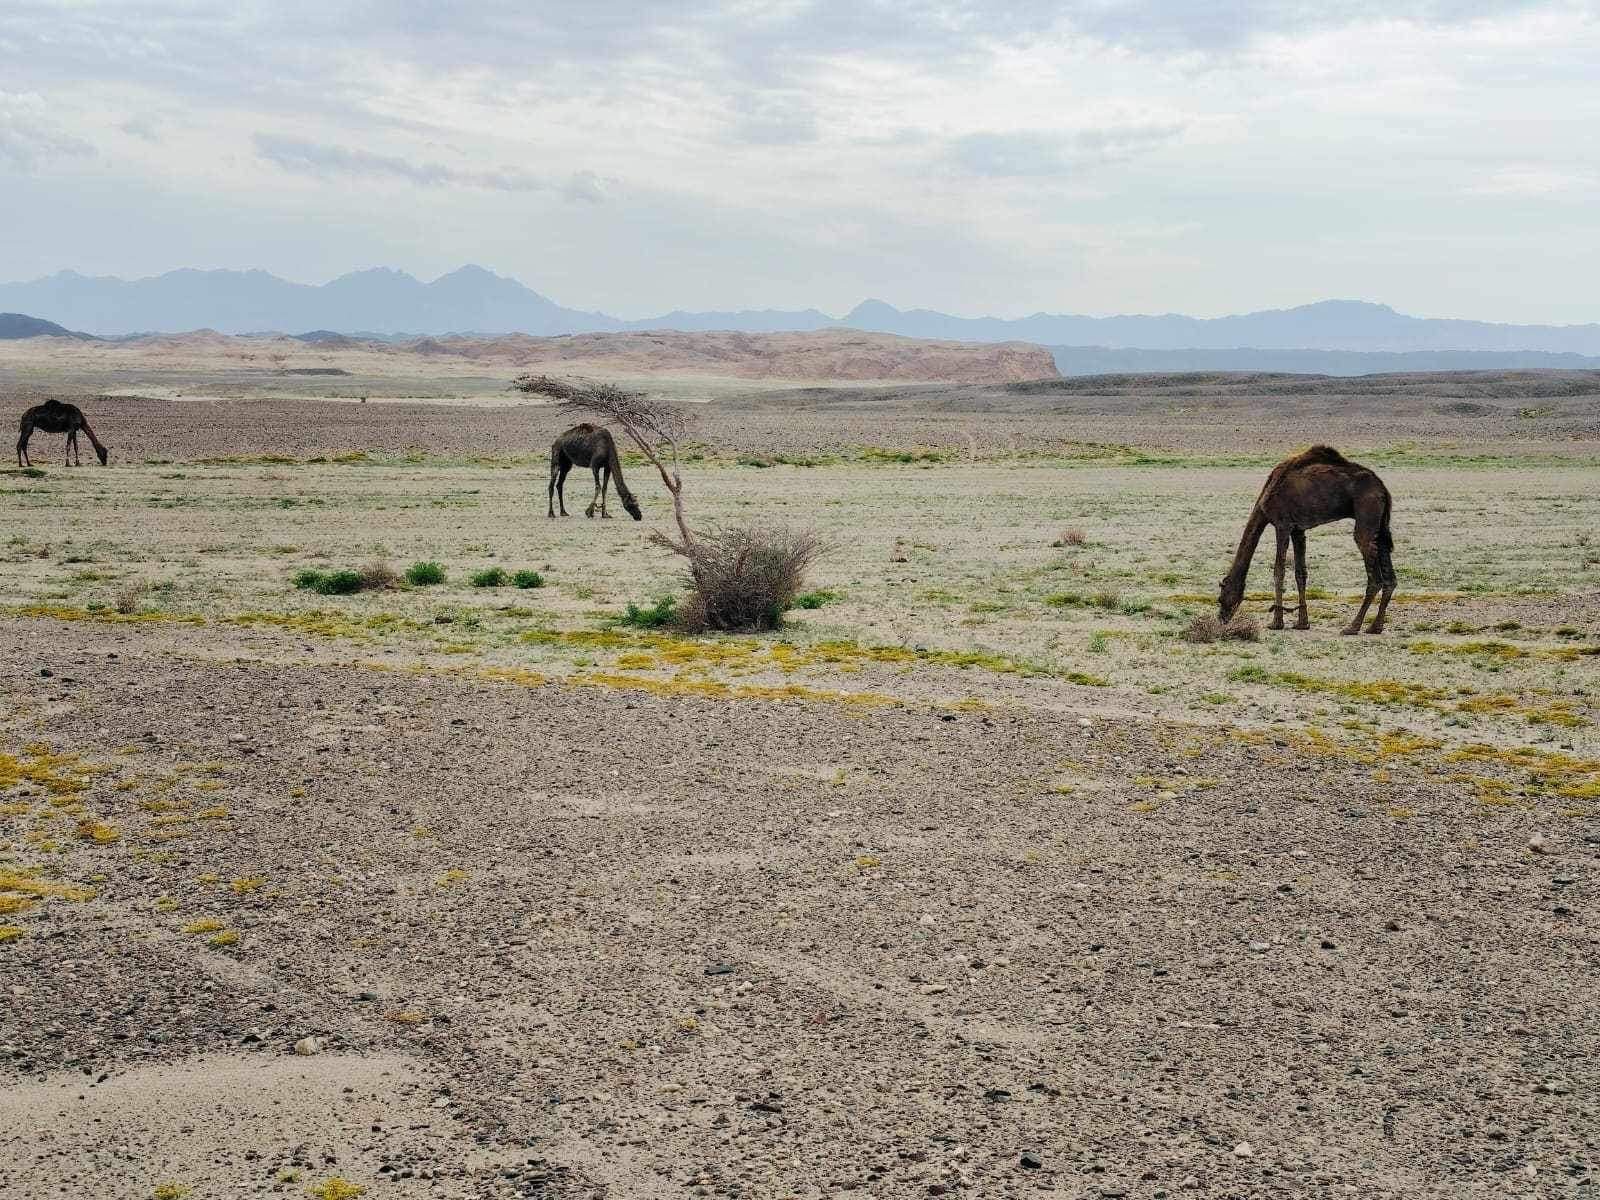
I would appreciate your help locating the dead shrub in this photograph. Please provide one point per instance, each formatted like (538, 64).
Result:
(379, 576)
(1208, 627)
(129, 596)
(1071, 537)
(744, 578)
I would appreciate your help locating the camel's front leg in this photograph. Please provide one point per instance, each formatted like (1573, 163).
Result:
(1302, 617)
(595, 503)
(1277, 579)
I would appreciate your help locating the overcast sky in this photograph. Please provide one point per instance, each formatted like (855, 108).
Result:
(634, 156)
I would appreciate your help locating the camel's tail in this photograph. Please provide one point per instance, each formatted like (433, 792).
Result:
(1385, 544)
(93, 441)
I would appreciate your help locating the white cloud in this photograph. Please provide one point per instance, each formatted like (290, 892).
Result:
(1010, 155)
(1535, 181)
(30, 136)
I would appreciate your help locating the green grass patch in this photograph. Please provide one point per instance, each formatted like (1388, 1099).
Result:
(654, 616)
(913, 457)
(816, 599)
(424, 574)
(528, 579)
(491, 577)
(329, 583)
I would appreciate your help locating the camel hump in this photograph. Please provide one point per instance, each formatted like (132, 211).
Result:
(1318, 454)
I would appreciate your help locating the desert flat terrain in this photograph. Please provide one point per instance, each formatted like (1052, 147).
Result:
(975, 880)
(368, 366)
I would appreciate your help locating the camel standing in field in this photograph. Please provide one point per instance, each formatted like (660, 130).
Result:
(55, 417)
(593, 447)
(1305, 491)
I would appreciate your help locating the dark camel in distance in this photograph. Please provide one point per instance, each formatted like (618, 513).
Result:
(589, 446)
(1305, 491)
(55, 417)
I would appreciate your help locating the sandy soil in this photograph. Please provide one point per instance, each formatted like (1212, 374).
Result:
(976, 880)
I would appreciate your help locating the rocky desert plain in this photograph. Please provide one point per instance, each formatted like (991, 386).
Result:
(974, 880)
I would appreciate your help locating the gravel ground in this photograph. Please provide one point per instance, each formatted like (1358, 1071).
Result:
(889, 953)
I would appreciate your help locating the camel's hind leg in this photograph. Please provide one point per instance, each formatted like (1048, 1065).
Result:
(1366, 542)
(1387, 581)
(561, 486)
(1277, 579)
(1297, 537)
(22, 448)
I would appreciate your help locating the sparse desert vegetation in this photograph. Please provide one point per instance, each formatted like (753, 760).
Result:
(989, 823)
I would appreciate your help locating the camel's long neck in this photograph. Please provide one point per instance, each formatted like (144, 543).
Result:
(616, 470)
(89, 433)
(1251, 538)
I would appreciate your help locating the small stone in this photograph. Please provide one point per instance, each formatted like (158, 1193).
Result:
(1189, 1181)
(1538, 844)
(308, 1046)
(719, 969)
(1555, 1087)
(933, 989)
(1260, 947)
(1244, 1150)
(1084, 723)
(1031, 1161)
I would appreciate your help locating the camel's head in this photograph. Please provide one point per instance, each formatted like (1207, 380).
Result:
(103, 453)
(1229, 597)
(632, 505)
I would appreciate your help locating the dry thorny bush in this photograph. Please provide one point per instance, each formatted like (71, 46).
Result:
(130, 595)
(745, 577)
(379, 576)
(1208, 627)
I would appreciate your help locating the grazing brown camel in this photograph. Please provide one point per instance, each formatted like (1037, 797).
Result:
(1305, 491)
(593, 447)
(55, 417)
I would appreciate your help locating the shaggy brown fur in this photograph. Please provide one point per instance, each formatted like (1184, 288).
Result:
(55, 417)
(593, 447)
(1311, 489)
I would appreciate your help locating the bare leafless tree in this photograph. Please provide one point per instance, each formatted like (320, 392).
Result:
(654, 426)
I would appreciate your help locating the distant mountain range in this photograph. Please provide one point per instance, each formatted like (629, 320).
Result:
(1101, 360)
(474, 300)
